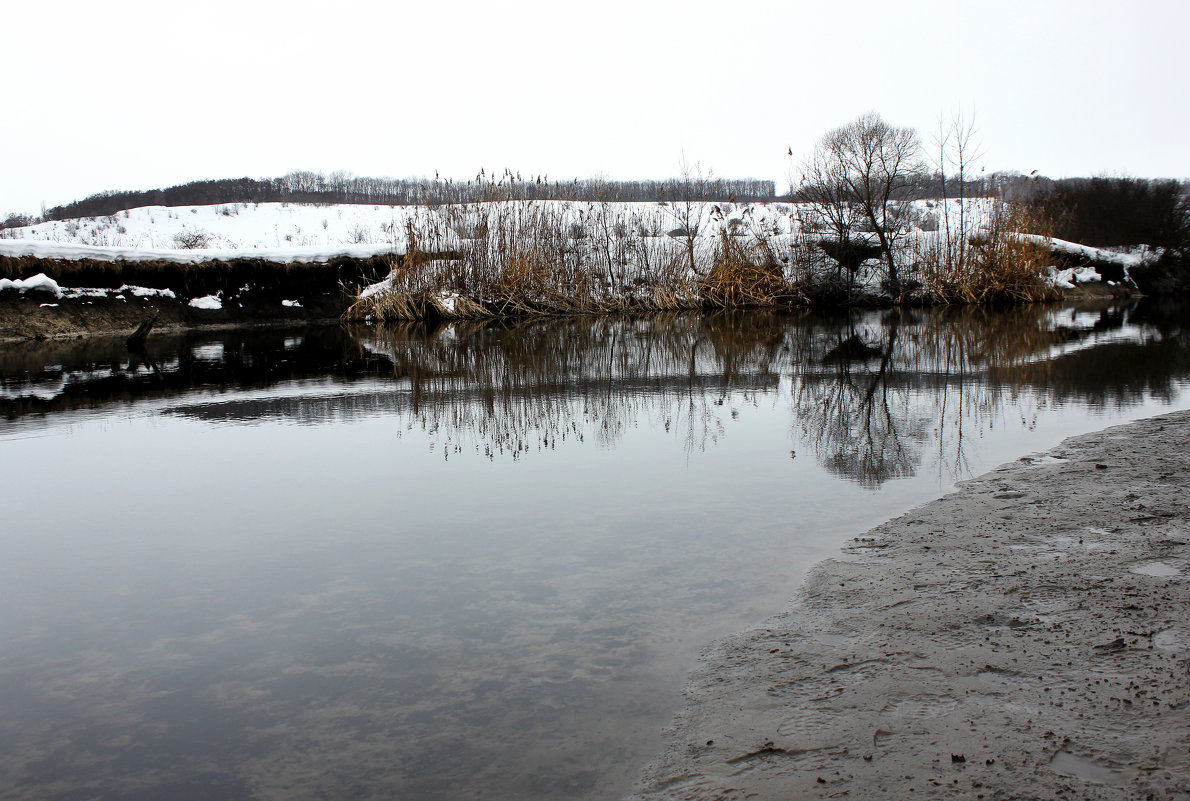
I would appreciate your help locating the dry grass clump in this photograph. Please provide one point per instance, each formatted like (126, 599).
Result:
(743, 273)
(514, 256)
(992, 265)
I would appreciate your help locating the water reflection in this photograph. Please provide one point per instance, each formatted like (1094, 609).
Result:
(872, 396)
(510, 390)
(39, 379)
(870, 393)
(474, 561)
(873, 393)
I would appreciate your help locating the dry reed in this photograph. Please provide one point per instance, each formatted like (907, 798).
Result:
(991, 265)
(512, 256)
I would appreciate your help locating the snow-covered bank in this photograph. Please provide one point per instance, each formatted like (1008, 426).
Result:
(1128, 258)
(209, 285)
(64, 251)
(1024, 637)
(523, 257)
(297, 233)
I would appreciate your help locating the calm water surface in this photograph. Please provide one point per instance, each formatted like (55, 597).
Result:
(475, 562)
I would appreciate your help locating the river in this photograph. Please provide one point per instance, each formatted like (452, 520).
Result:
(476, 561)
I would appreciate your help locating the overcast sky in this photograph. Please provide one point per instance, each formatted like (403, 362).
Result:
(123, 95)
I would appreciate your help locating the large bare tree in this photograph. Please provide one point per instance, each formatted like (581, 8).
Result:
(862, 170)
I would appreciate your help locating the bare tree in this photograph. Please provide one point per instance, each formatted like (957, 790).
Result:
(957, 148)
(688, 207)
(864, 170)
(824, 188)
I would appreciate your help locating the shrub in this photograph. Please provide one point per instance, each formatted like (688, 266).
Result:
(192, 239)
(996, 265)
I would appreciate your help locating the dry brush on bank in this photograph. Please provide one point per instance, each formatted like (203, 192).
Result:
(528, 257)
(514, 256)
(855, 234)
(984, 261)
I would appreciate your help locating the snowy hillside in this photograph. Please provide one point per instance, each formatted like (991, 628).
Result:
(293, 233)
(290, 229)
(277, 226)
(296, 232)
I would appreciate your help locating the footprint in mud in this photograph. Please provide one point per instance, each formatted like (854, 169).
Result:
(1068, 764)
(922, 707)
(1161, 570)
(809, 723)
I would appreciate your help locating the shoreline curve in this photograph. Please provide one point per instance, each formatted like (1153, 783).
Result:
(1023, 637)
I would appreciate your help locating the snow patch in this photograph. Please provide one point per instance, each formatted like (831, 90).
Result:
(147, 292)
(1071, 276)
(1131, 258)
(447, 301)
(208, 302)
(38, 283)
(378, 288)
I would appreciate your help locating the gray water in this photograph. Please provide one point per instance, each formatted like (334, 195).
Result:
(477, 561)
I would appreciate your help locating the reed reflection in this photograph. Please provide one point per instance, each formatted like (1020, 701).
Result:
(872, 396)
(512, 389)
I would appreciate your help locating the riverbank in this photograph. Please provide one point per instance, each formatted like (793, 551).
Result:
(517, 258)
(1023, 638)
(92, 296)
(38, 316)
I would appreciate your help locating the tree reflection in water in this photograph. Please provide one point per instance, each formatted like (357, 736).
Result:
(874, 396)
(506, 390)
(870, 393)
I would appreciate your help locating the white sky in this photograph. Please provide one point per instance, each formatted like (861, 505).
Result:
(132, 95)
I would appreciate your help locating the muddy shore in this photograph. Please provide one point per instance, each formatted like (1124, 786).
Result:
(1025, 637)
(24, 317)
(253, 292)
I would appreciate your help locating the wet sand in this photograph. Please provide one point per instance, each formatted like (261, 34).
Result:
(1026, 637)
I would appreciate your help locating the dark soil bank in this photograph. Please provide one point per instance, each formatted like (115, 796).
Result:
(251, 291)
(39, 315)
(205, 278)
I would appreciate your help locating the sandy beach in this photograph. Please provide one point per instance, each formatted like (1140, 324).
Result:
(1026, 637)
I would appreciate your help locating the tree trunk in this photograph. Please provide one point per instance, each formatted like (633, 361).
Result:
(136, 341)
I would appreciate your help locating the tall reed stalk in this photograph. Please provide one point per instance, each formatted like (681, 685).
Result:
(513, 255)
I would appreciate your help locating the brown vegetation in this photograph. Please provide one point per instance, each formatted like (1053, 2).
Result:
(993, 266)
(520, 256)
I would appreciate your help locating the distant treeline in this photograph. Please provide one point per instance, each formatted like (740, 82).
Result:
(1108, 212)
(932, 186)
(1101, 211)
(320, 188)
(338, 187)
